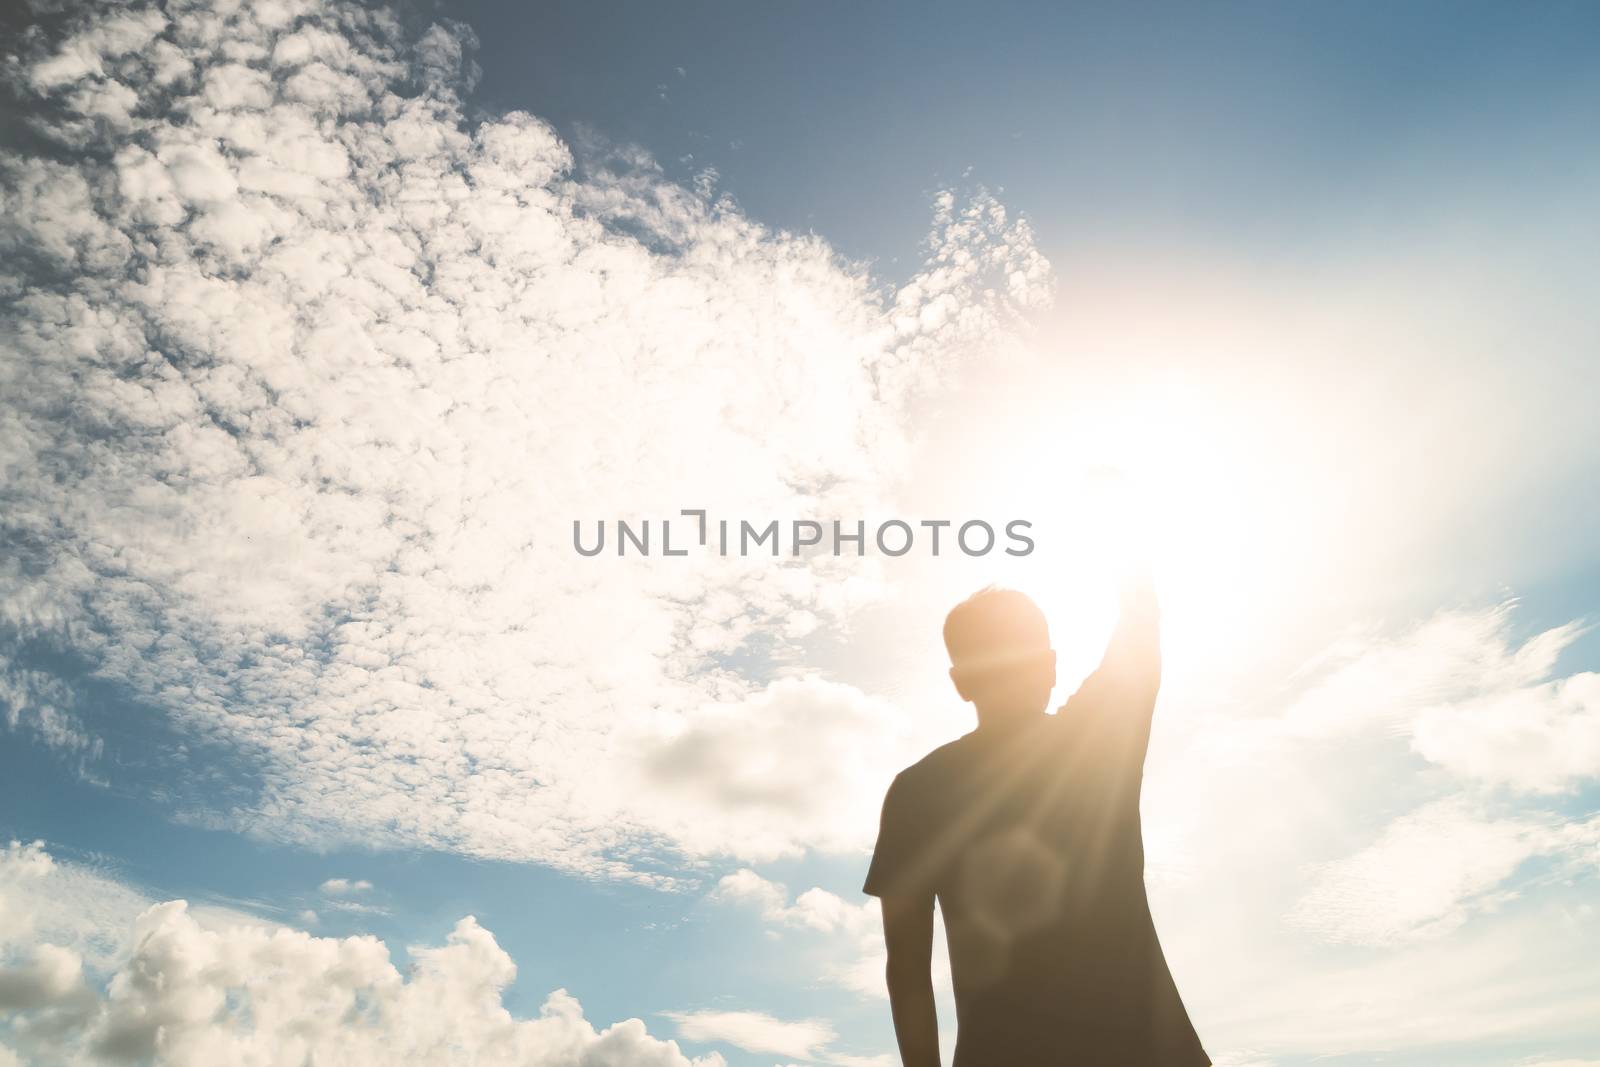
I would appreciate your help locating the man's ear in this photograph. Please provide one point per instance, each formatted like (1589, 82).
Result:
(955, 679)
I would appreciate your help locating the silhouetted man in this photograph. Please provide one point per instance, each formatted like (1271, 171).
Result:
(1027, 832)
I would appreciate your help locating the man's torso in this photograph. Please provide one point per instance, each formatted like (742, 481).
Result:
(1034, 850)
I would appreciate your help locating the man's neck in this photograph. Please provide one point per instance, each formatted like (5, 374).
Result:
(1006, 722)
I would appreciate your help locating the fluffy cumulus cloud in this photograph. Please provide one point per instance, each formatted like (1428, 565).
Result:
(178, 990)
(306, 378)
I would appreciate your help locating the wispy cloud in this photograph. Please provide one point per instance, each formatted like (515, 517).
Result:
(40, 704)
(1390, 681)
(755, 1031)
(1395, 875)
(1432, 868)
(64, 904)
(1470, 698)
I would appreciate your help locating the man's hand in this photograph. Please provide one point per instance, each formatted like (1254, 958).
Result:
(1125, 524)
(908, 934)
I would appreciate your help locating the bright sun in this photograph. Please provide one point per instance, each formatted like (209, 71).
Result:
(1158, 473)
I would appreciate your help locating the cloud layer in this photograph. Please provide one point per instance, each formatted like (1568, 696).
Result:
(307, 377)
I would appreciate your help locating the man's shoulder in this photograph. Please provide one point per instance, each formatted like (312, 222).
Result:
(971, 755)
(933, 766)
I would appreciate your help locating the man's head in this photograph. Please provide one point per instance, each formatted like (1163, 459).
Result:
(1000, 655)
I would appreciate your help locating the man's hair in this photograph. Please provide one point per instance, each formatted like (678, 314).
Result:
(994, 623)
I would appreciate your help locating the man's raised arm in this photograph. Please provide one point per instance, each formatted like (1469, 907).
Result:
(1116, 702)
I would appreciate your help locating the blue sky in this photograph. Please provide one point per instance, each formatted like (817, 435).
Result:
(324, 323)
(1217, 126)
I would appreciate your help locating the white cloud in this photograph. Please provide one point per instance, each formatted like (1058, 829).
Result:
(1537, 739)
(338, 894)
(1474, 700)
(800, 761)
(815, 909)
(41, 704)
(69, 905)
(1431, 869)
(1373, 680)
(54, 975)
(84, 54)
(179, 992)
(1333, 869)
(885, 1059)
(755, 1031)
(355, 907)
(309, 377)
(1526, 978)
(852, 933)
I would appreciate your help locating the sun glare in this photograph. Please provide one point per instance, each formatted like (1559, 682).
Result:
(1159, 476)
